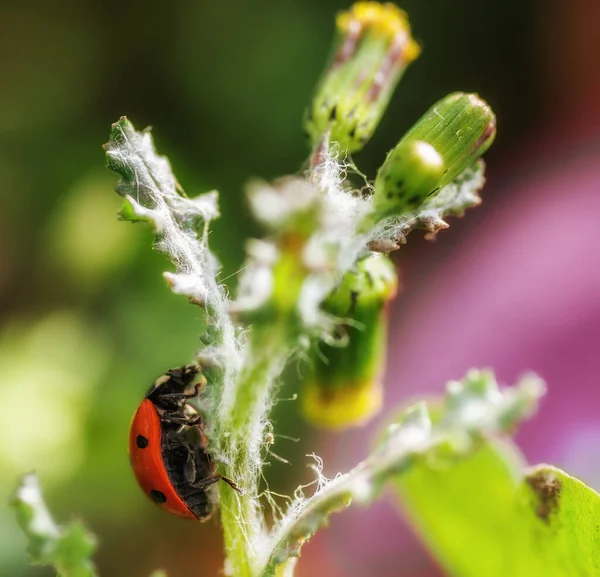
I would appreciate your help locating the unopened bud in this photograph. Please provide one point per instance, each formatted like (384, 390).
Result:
(344, 386)
(446, 140)
(373, 48)
(410, 172)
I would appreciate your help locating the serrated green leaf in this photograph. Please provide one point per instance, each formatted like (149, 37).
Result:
(144, 173)
(486, 516)
(416, 454)
(128, 212)
(68, 548)
(74, 548)
(452, 200)
(152, 194)
(462, 193)
(149, 186)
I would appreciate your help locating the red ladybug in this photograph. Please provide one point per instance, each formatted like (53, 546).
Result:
(167, 446)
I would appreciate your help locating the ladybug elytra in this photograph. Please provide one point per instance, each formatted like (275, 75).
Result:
(168, 449)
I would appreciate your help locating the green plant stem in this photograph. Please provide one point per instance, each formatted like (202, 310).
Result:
(237, 514)
(362, 484)
(242, 439)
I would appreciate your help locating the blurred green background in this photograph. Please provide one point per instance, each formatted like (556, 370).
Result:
(87, 321)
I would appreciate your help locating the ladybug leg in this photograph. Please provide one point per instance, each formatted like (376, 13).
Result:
(189, 468)
(195, 420)
(212, 479)
(230, 483)
(190, 472)
(197, 388)
(176, 418)
(206, 482)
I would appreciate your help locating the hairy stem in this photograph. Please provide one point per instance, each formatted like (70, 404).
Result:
(474, 408)
(362, 484)
(242, 434)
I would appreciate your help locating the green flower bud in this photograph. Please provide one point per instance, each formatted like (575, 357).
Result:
(461, 127)
(410, 172)
(446, 141)
(344, 386)
(372, 50)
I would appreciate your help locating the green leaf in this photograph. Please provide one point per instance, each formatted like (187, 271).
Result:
(451, 200)
(472, 410)
(487, 515)
(68, 548)
(569, 511)
(152, 194)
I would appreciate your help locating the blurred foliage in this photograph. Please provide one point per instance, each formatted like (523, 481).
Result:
(485, 515)
(87, 322)
(68, 548)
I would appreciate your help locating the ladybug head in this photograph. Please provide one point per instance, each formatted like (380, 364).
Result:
(170, 391)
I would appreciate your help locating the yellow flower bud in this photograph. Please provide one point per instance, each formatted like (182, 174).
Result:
(344, 387)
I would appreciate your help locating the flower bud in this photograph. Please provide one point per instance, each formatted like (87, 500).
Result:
(372, 50)
(410, 172)
(344, 386)
(446, 141)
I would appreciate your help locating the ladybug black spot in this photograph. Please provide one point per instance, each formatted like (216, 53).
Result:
(141, 442)
(158, 497)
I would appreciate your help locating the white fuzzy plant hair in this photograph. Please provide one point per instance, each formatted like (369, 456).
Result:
(245, 361)
(307, 286)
